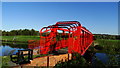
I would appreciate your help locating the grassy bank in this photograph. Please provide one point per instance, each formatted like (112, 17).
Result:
(19, 38)
(6, 62)
(106, 42)
(109, 46)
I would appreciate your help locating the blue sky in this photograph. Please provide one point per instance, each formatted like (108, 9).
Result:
(98, 17)
(60, 0)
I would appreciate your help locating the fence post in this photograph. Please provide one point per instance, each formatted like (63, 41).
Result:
(68, 56)
(47, 61)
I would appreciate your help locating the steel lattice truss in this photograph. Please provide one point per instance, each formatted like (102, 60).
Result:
(63, 34)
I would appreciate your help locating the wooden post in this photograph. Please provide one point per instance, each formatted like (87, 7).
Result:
(68, 56)
(47, 61)
(18, 56)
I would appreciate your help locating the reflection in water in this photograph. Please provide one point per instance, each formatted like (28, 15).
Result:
(9, 48)
(105, 60)
(103, 57)
(109, 55)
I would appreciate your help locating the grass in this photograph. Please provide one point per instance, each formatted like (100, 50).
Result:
(109, 46)
(6, 62)
(106, 40)
(20, 38)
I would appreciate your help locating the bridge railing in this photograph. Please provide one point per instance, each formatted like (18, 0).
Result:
(79, 38)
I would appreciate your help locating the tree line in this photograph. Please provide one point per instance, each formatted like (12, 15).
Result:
(107, 36)
(31, 32)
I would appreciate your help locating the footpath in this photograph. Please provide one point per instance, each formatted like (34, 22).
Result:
(47, 61)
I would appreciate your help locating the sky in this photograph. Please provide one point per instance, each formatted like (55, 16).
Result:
(0, 15)
(98, 17)
(60, 0)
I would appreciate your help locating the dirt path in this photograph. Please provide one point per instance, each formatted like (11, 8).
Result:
(48, 60)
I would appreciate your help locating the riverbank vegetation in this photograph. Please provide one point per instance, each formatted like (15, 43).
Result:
(110, 46)
(19, 38)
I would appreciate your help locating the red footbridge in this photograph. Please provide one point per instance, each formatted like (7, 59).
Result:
(70, 34)
(64, 34)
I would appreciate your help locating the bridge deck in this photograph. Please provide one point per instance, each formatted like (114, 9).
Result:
(48, 60)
